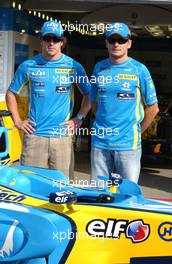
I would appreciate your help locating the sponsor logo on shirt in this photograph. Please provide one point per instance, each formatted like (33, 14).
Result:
(64, 70)
(104, 70)
(102, 90)
(39, 90)
(127, 77)
(128, 70)
(38, 73)
(40, 95)
(39, 83)
(62, 89)
(125, 96)
(151, 84)
(153, 96)
(126, 86)
(63, 64)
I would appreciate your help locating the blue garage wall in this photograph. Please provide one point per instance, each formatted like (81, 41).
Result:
(16, 20)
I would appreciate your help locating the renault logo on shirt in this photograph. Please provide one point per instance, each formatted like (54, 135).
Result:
(126, 86)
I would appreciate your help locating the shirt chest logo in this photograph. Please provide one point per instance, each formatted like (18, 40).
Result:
(64, 71)
(38, 73)
(62, 89)
(125, 96)
(127, 77)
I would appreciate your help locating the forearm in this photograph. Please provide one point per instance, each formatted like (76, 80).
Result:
(85, 105)
(94, 107)
(24, 125)
(150, 113)
(12, 106)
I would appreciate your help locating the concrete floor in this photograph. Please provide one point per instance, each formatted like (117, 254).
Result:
(155, 178)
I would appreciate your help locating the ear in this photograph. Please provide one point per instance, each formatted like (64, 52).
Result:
(129, 43)
(63, 42)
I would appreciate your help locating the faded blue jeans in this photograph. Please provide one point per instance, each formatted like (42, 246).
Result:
(126, 162)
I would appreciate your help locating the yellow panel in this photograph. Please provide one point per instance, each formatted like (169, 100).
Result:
(15, 136)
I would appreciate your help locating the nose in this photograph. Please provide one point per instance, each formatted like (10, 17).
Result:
(51, 41)
(116, 43)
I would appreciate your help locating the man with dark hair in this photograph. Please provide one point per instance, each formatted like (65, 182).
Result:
(124, 103)
(50, 77)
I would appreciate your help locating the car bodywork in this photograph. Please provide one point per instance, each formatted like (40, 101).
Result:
(44, 219)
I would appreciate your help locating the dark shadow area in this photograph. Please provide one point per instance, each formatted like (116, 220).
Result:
(157, 161)
(82, 161)
(155, 181)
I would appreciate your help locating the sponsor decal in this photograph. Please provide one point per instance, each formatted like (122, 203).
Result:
(7, 238)
(125, 96)
(153, 96)
(38, 84)
(62, 197)
(52, 26)
(151, 85)
(104, 70)
(8, 196)
(63, 64)
(128, 70)
(127, 76)
(62, 89)
(38, 73)
(13, 239)
(40, 95)
(39, 90)
(126, 86)
(165, 231)
(102, 90)
(117, 26)
(135, 230)
(64, 70)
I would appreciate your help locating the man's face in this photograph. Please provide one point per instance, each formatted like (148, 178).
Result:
(118, 46)
(51, 46)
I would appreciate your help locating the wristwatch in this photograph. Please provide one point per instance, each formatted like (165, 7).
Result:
(80, 117)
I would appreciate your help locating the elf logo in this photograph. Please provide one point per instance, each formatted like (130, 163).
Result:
(136, 230)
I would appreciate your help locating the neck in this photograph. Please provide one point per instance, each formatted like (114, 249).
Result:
(52, 57)
(118, 60)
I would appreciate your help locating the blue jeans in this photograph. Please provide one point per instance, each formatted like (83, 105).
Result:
(126, 162)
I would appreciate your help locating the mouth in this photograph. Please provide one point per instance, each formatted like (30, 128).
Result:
(51, 49)
(116, 49)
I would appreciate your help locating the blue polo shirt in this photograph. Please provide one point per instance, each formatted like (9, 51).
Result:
(121, 91)
(51, 85)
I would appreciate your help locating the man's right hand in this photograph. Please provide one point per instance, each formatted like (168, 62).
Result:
(26, 126)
